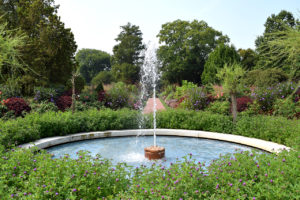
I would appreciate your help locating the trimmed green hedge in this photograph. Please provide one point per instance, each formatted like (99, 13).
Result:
(35, 126)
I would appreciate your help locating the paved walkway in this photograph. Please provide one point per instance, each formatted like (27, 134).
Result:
(149, 106)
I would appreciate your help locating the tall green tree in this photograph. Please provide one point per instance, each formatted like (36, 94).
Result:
(91, 62)
(275, 26)
(284, 50)
(127, 57)
(185, 47)
(50, 47)
(223, 54)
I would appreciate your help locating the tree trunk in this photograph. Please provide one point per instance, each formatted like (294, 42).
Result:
(234, 106)
(73, 94)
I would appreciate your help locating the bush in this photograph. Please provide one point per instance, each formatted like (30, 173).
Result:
(44, 94)
(243, 103)
(58, 124)
(286, 108)
(9, 92)
(118, 97)
(270, 128)
(64, 102)
(102, 96)
(18, 105)
(44, 107)
(193, 120)
(184, 89)
(88, 97)
(263, 78)
(266, 97)
(196, 99)
(219, 107)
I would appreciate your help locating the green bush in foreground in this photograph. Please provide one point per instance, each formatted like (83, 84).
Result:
(244, 175)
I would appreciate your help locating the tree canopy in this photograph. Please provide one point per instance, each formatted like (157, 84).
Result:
(128, 57)
(50, 47)
(223, 54)
(91, 62)
(274, 45)
(185, 48)
(11, 65)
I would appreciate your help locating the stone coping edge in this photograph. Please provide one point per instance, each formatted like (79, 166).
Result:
(252, 142)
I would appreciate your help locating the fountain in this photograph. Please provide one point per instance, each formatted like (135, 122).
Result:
(150, 76)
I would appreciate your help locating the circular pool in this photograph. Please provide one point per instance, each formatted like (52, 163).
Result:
(131, 149)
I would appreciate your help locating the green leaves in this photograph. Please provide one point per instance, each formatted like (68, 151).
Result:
(49, 48)
(127, 56)
(231, 76)
(91, 62)
(185, 48)
(221, 55)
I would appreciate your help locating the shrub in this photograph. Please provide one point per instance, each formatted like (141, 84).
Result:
(64, 102)
(184, 89)
(267, 77)
(286, 108)
(243, 103)
(44, 107)
(118, 97)
(9, 92)
(275, 129)
(88, 97)
(266, 97)
(219, 107)
(196, 99)
(44, 94)
(193, 120)
(18, 105)
(101, 96)
(169, 89)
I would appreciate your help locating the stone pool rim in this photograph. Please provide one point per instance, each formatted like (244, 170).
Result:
(247, 141)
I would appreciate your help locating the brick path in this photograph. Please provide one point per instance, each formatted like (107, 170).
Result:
(149, 106)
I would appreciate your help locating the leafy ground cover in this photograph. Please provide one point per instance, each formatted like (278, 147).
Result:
(26, 174)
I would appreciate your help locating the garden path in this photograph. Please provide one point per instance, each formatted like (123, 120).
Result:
(149, 106)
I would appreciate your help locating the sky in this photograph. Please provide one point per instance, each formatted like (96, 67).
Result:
(96, 23)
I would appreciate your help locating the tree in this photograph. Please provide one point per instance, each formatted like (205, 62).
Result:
(128, 53)
(10, 64)
(283, 51)
(248, 58)
(231, 76)
(185, 48)
(49, 48)
(275, 28)
(223, 54)
(91, 62)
